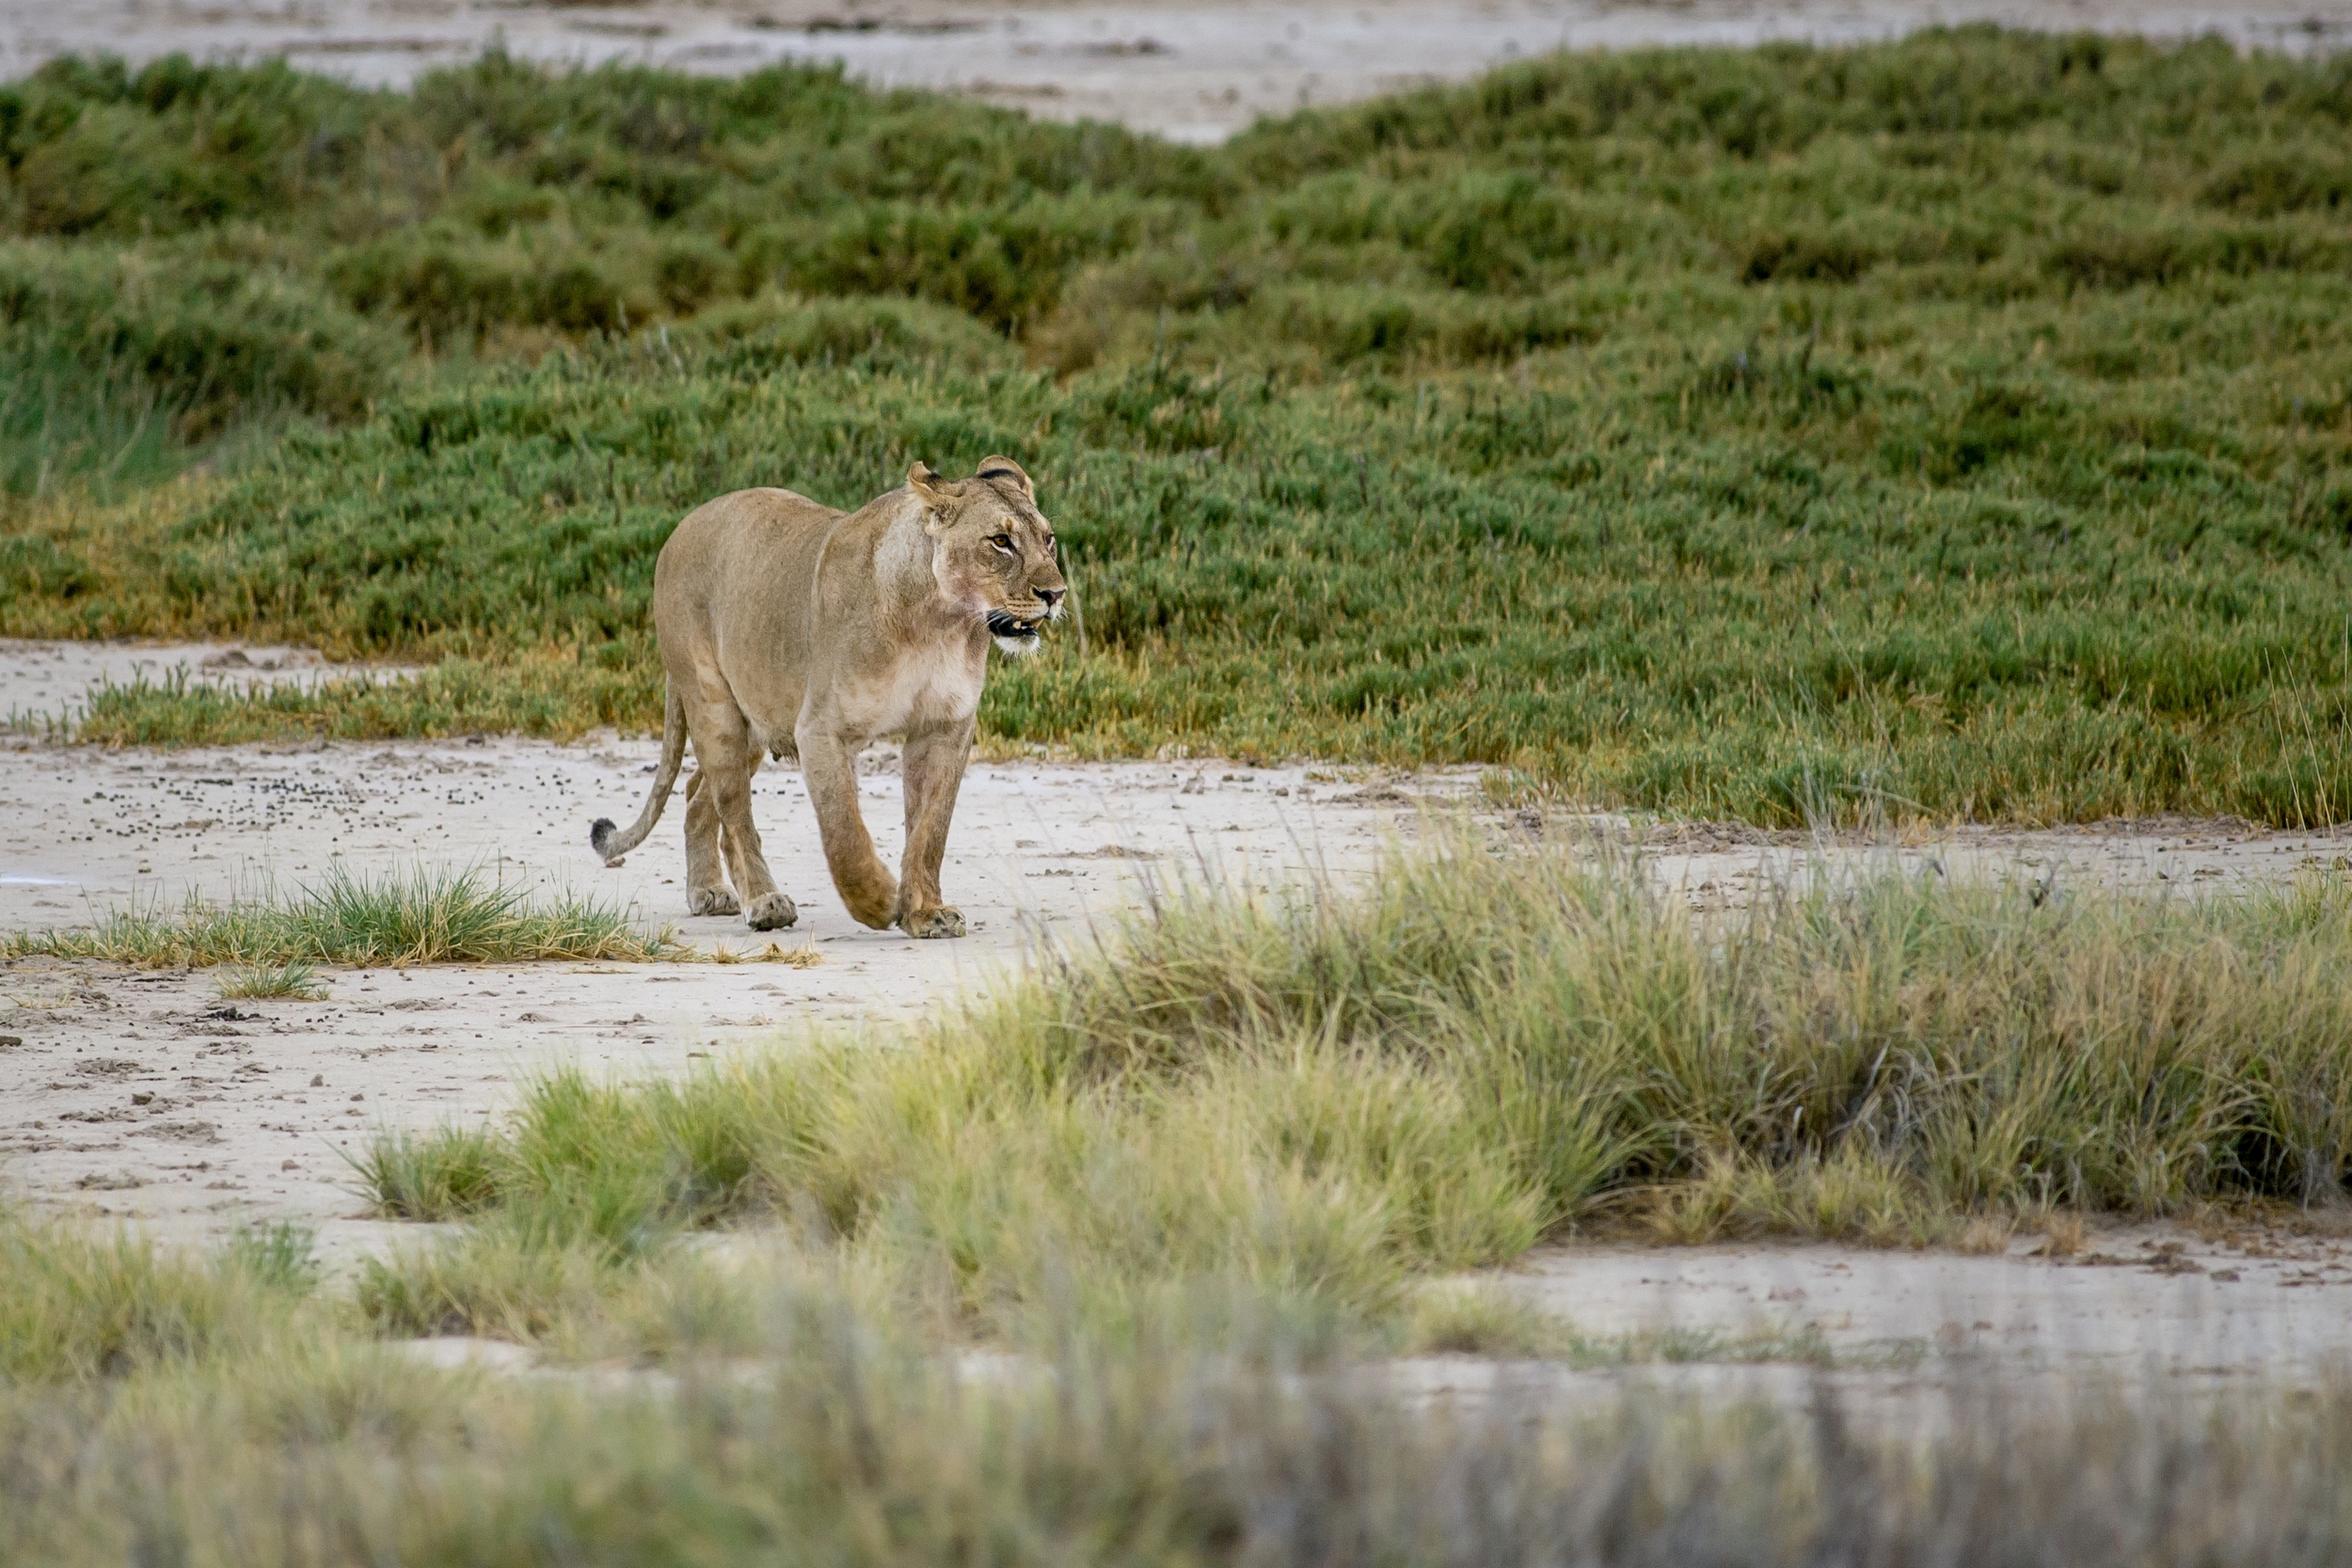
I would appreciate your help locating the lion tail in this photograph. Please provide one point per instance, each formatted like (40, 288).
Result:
(609, 842)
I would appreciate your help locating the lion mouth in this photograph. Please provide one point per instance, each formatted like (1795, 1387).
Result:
(1003, 624)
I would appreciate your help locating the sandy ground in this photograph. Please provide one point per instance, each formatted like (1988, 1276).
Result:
(44, 686)
(146, 1096)
(1916, 1340)
(1194, 72)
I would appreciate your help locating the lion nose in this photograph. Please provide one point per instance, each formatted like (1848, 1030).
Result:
(1053, 595)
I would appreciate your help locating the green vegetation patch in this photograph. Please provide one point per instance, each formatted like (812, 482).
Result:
(1320, 1101)
(414, 917)
(113, 363)
(1948, 428)
(79, 1304)
(1190, 1193)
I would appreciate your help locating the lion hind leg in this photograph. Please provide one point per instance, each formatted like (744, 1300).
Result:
(706, 891)
(728, 762)
(766, 907)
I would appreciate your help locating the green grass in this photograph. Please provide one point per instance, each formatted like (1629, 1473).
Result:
(78, 1303)
(117, 367)
(1319, 1101)
(1947, 428)
(294, 981)
(537, 695)
(418, 916)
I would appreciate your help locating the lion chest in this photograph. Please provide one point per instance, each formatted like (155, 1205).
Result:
(923, 689)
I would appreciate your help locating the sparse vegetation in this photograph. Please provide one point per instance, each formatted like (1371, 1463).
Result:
(295, 1442)
(1322, 1101)
(294, 981)
(1946, 428)
(420, 916)
(1191, 1190)
(78, 1303)
(443, 1174)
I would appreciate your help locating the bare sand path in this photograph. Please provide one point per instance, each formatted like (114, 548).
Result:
(1194, 72)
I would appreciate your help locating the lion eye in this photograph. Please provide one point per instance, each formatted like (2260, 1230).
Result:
(1049, 543)
(1004, 543)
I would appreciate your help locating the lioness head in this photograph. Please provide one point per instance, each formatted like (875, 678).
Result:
(992, 549)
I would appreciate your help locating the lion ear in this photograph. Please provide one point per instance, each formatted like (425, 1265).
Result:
(935, 494)
(1004, 468)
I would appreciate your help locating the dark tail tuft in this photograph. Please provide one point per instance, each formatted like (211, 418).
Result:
(600, 833)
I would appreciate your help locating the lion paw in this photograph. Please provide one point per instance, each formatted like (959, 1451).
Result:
(712, 900)
(771, 912)
(940, 922)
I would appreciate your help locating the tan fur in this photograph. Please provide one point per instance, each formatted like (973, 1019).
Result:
(791, 628)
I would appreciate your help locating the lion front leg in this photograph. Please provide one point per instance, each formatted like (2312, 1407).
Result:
(932, 774)
(829, 768)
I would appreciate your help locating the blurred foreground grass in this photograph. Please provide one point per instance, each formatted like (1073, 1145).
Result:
(1954, 427)
(226, 1410)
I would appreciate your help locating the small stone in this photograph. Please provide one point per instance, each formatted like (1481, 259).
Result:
(318, 1080)
(289, 1164)
(143, 1100)
(357, 1098)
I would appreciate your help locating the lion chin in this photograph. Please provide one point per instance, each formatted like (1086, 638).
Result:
(1013, 635)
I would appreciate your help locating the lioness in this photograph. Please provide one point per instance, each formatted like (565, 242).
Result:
(789, 627)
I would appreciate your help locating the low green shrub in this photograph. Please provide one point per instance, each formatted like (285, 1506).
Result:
(212, 341)
(765, 334)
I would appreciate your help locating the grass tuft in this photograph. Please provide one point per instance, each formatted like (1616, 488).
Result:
(78, 1302)
(802, 956)
(420, 916)
(294, 981)
(281, 1255)
(440, 1175)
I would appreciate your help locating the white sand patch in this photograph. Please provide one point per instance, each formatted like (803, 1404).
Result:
(1193, 72)
(45, 684)
(1917, 1345)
